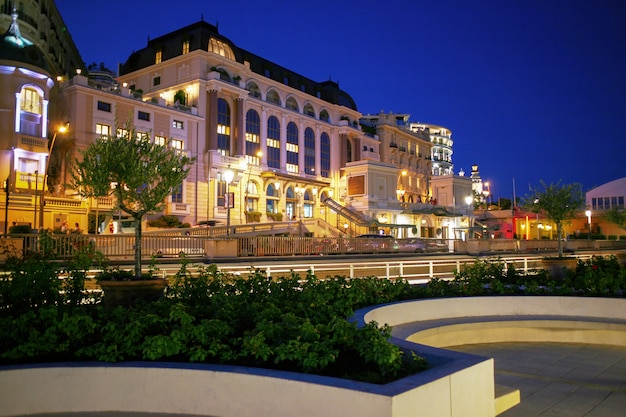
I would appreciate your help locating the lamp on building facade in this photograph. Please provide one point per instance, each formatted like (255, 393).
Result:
(588, 214)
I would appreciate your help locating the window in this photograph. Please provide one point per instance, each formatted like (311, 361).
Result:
(221, 191)
(267, 73)
(103, 130)
(309, 151)
(218, 47)
(27, 165)
(185, 47)
(160, 140)
(286, 80)
(325, 155)
(177, 124)
(292, 148)
(31, 101)
(223, 127)
(273, 143)
(324, 116)
(177, 194)
(292, 104)
(158, 57)
(122, 133)
(253, 90)
(156, 81)
(142, 115)
(177, 144)
(308, 110)
(273, 97)
(142, 135)
(102, 106)
(253, 137)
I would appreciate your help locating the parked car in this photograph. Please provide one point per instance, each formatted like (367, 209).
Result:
(176, 246)
(437, 245)
(372, 243)
(413, 245)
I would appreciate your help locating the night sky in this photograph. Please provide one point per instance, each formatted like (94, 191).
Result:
(531, 89)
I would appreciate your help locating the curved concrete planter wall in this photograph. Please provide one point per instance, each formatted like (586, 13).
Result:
(456, 384)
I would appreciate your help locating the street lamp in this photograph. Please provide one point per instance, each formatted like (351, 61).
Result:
(588, 214)
(229, 174)
(62, 129)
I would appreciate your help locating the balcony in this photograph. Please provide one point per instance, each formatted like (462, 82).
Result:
(28, 181)
(32, 143)
(177, 209)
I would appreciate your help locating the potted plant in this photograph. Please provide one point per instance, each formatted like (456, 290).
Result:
(560, 203)
(139, 174)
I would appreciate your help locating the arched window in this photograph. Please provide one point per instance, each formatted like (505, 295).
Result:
(221, 48)
(291, 203)
(271, 198)
(253, 90)
(307, 205)
(324, 116)
(292, 148)
(309, 151)
(31, 111)
(223, 127)
(253, 137)
(325, 155)
(30, 101)
(273, 97)
(308, 110)
(292, 104)
(252, 196)
(273, 143)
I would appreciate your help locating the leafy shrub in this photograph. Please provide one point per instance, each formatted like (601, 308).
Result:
(167, 221)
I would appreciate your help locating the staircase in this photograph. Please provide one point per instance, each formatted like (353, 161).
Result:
(352, 215)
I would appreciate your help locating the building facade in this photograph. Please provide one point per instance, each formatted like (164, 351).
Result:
(299, 149)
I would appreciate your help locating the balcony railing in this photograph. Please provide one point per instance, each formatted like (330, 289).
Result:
(32, 143)
(29, 181)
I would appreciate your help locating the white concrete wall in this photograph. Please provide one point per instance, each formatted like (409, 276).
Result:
(447, 308)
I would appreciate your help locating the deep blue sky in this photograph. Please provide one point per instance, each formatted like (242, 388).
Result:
(531, 89)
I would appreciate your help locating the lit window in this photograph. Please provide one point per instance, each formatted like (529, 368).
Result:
(122, 133)
(142, 135)
(103, 130)
(223, 127)
(158, 57)
(273, 143)
(177, 144)
(31, 101)
(177, 124)
(185, 47)
(253, 137)
(218, 47)
(160, 140)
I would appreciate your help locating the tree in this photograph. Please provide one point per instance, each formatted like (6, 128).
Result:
(617, 217)
(559, 203)
(138, 173)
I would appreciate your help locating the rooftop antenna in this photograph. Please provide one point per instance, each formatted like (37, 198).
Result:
(202, 17)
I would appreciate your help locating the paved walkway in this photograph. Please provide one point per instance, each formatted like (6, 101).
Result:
(560, 379)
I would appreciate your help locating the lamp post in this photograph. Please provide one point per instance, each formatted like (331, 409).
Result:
(537, 217)
(61, 129)
(229, 174)
(588, 214)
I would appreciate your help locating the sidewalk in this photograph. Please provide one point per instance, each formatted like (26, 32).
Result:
(559, 379)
